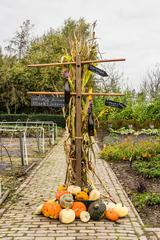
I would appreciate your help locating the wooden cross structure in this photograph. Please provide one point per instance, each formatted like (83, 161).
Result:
(78, 95)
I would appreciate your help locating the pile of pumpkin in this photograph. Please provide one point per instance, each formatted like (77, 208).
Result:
(72, 202)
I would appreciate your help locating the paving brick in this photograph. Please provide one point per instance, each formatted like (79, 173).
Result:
(143, 238)
(23, 238)
(65, 238)
(44, 238)
(7, 238)
(56, 234)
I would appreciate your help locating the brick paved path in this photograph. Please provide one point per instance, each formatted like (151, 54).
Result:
(20, 223)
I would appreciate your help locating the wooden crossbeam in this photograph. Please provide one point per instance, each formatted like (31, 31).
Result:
(73, 93)
(73, 63)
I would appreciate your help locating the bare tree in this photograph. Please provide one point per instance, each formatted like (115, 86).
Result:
(151, 83)
(112, 82)
(19, 43)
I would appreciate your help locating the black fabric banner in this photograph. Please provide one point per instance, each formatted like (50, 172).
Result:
(111, 103)
(97, 71)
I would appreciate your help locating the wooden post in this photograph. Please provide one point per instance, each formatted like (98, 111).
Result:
(53, 133)
(25, 148)
(78, 121)
(42, 139)
(37, 139)
(21, 147)
(49, 134)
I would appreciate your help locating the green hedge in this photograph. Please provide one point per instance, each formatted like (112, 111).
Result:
(59, 119)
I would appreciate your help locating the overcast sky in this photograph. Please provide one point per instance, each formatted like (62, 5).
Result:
(125, 28)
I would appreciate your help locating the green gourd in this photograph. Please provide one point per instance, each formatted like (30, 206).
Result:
(66, 200)
(97, 210)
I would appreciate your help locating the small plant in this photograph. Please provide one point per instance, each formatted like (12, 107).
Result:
(126, 131)
(150, 168)
(141, 200)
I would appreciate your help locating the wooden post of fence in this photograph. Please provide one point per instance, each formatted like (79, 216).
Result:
(37, 139)
(25, 148)
(52, 135)
(49, 134)
(21, 147)
(55, 133)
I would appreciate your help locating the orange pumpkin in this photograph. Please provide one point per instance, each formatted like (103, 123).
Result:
(46, 207)
(59, 194)
(111, 215)
(78, 207)
(51, 209)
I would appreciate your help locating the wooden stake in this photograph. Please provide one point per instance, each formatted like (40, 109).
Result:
(72, 63)
(78, 121)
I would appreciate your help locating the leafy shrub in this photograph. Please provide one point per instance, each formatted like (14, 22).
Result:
(139, 112)
(152, 110)
(118, 151)
(141, 150)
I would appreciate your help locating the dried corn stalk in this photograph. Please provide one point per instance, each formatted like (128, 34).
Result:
(87, 48)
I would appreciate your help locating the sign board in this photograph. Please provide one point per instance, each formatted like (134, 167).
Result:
(97, 71)
(47, 101)
(111, 103)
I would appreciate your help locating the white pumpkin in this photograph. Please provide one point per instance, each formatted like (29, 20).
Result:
(84, 216)
(110, 205)
(67, 216)
(38, 210)
(94, 195)
(121, 210)
(73, 189)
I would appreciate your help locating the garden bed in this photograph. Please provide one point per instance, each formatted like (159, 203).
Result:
(12, 175)
(135, 183)
(137, 166)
